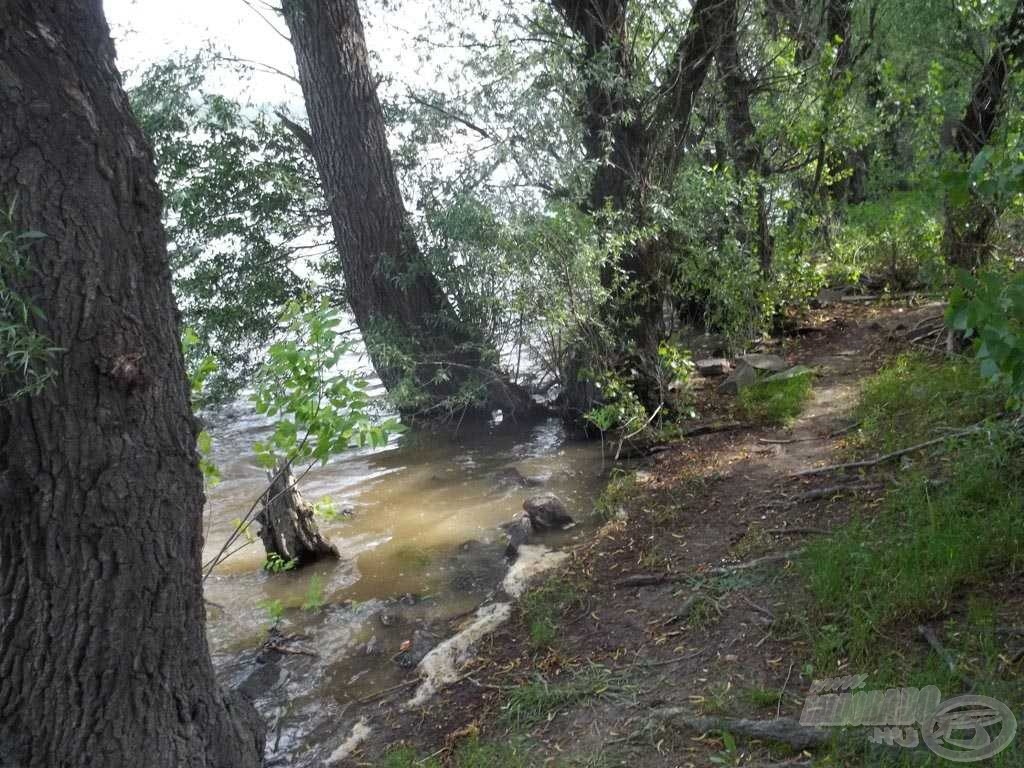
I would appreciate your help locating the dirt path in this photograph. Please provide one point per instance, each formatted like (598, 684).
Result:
(704, 638)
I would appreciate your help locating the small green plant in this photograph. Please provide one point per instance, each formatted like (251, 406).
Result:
(730, 753)
(325, 508)
(622, 488)
(989, 309)
(275, 611)
(24, 352)
(761, 697)
(200, 368)
(314, 600)
(776, 400)
(319, 411)
(277, 564)
(542, 609)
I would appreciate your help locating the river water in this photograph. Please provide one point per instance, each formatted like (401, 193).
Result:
(421, 546)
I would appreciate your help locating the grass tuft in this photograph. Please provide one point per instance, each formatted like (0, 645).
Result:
(776, 401)
(540, 700)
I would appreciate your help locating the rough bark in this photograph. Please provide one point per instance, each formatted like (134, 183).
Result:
(411, 328)
(103, 652)
(968, 227)
(287, 526)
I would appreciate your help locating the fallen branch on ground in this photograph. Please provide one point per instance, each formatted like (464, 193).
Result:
(718, 426)
(783, 729)
(833, 490)
(650, 580)
(889, 456)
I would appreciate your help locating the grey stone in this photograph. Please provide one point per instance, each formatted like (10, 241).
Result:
(422, 643)
(790, 373)
(743, 377)
(764, 362)
(713, 366)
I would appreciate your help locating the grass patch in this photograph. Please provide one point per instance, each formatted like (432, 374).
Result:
(542, 609)
(951, 523)
(540, 700)
(406, 757)
(912, 397)
(776, 401)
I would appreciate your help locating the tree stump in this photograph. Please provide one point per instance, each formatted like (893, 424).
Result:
(287, 526)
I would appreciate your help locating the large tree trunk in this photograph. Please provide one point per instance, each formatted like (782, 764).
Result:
(966, 237)
(412, 331)
(103, 652)
(632, 155)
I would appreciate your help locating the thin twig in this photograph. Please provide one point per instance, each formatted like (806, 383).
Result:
(782, 693)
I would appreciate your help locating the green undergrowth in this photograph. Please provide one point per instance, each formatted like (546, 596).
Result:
(620, 491)
(913, 398)
(946, 537)
(776, 401)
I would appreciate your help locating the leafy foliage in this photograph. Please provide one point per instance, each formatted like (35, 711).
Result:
(319, 410)
(989, 309)
(243, 213)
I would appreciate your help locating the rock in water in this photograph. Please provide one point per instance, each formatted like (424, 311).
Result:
(519, 532)
(511, 477)
(713, 366)
(546, 512)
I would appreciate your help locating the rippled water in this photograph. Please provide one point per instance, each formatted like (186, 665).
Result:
(421, 546)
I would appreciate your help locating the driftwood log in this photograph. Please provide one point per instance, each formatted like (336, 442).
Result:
(287, 526)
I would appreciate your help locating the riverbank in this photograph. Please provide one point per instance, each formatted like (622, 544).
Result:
(723, 582)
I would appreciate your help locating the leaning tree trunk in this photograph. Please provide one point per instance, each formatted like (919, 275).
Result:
(968, 226)
(412, 331)
(287, 526)
(103, 652)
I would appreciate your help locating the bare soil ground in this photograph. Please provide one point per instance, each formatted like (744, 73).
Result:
(706, 639)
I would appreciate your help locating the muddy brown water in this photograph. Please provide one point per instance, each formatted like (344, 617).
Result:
(421, 546)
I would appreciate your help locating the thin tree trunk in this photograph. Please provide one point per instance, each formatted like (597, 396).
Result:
(968, 227)
(103, 652)
(412, 331)
(746, 151)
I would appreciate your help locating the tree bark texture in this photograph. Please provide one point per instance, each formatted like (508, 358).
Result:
(103, 652)
(287, 526)
(403, 313)
(968, 227)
